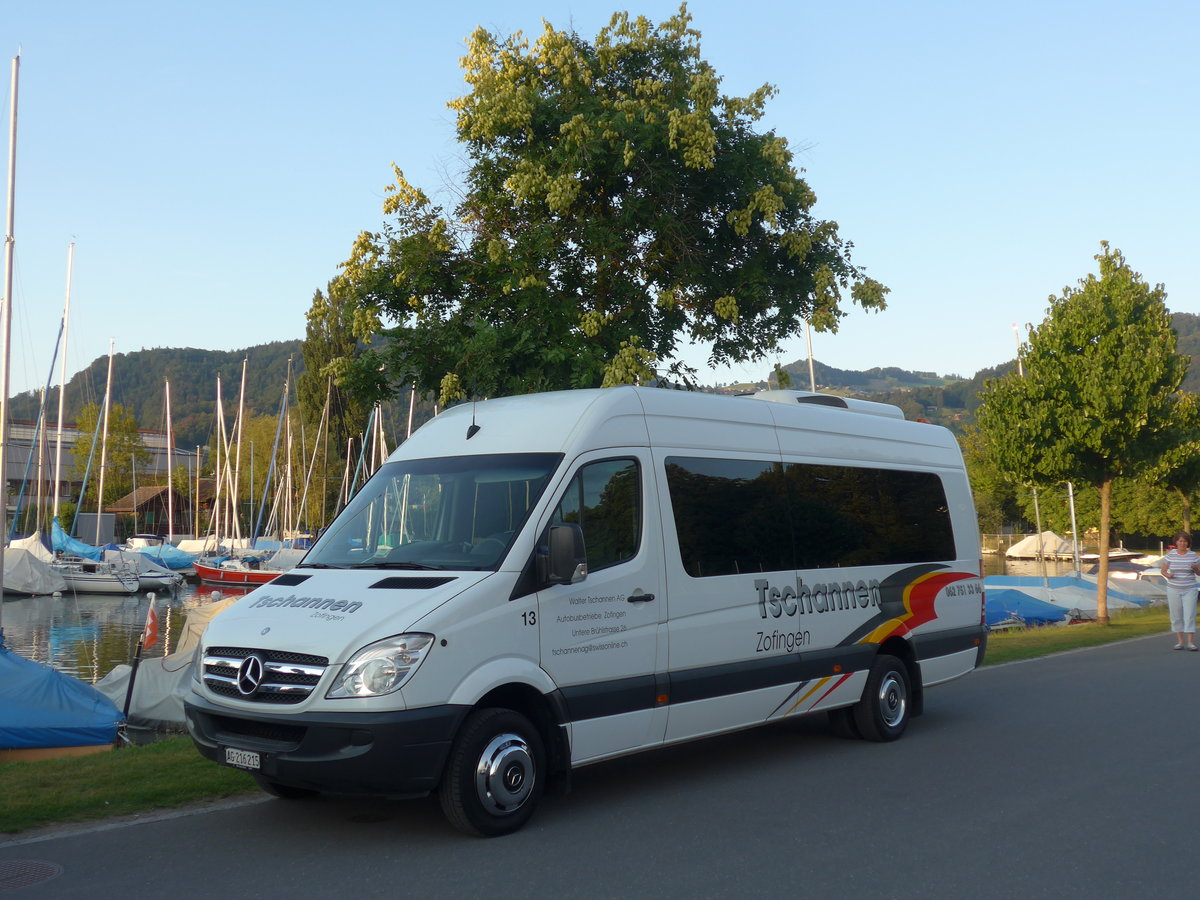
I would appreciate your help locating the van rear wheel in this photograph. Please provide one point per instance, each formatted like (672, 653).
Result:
(841, 723)
(883, 712)
(495, 775)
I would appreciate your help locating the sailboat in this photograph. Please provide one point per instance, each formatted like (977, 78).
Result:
(42, 711)
(83, 566)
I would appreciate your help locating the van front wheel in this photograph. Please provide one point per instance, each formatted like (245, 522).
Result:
(883, 712)
(495, 774)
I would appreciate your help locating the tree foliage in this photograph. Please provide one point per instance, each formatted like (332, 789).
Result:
(328, 375)
(616, 205)
(1098, 397)
(123, 455)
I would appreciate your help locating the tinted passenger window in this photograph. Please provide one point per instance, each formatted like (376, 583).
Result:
(604, 498)
(731, 515)
(735, 516)
(850, 516)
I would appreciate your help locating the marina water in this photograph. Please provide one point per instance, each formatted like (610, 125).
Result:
(86, 635)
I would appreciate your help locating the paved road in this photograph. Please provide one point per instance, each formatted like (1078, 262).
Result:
(1071, 776)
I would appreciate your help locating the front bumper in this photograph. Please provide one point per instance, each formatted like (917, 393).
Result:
(398, 753)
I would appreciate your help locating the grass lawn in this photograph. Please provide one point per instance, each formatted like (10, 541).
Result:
(1012, 645)
(161, 775)
(170, 773)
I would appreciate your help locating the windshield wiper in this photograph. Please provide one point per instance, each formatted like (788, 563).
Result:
(384, 564)
(318, 565)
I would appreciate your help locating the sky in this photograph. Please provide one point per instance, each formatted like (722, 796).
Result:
(213, 162)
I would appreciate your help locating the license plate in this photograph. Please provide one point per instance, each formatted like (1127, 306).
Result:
(242, 759)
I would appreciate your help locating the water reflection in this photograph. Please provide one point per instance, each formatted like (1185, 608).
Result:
(997, 564)
(86, 635)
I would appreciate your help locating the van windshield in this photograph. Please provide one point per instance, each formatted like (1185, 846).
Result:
(454, 512)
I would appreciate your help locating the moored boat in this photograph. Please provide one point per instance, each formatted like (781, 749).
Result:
(248, 569)
(25, 575)
(236, 571)
(44, 713)
(151, 576)
(87, 576)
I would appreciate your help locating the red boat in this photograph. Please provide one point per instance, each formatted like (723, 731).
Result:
(236, 571)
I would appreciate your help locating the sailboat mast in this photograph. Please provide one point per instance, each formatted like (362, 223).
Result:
(196, 497)
(170, 472)
(235, 493)
(40, 506)
(6, 322)
(220, 440)
(104, 440)
(62, 379)
(287, 480)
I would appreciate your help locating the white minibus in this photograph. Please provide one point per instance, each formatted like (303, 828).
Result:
(535, 583)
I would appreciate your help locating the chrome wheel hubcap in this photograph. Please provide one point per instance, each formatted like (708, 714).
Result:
(505, 775)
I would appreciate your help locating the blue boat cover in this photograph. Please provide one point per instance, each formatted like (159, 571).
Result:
(992, 582)
(42, 707)
(61, 541)
(1002, 604)
(166, 554)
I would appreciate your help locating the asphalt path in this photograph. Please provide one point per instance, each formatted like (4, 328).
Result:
(1070, 776)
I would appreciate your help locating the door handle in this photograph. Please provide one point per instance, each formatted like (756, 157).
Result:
(639, 598)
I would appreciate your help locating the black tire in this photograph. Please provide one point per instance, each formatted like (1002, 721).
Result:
(495, 775)
(841, 723)
(884, 710)
(283, 791)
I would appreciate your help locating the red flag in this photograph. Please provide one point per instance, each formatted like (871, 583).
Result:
(150, 632)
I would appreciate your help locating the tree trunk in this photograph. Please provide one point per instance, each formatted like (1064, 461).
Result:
(1102, 583)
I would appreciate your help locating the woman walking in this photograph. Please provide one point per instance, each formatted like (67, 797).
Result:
(1180, 566)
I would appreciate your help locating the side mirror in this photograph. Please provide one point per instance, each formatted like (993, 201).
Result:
(566, 558)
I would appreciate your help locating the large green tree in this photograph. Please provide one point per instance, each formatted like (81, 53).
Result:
(617, 206)
(1178, 471)
(1098, 395)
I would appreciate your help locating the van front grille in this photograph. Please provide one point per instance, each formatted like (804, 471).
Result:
(262, 676)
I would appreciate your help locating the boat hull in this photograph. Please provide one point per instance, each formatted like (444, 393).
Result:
(101, 584)
(218, 575)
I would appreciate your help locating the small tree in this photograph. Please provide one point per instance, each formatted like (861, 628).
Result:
(1098, 395)
(126, 454)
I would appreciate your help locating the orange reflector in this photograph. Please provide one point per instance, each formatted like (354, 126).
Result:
(837, 669)
(663, 698)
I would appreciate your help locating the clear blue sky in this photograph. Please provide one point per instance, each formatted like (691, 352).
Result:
(214, 161)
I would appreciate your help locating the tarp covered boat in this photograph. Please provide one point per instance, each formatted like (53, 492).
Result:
(27, 576)
(1077, 595)
(162, 682)
(1005, 606)
(41, 708)
(1051, 545)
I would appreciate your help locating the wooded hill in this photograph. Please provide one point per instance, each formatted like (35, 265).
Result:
(139, 377)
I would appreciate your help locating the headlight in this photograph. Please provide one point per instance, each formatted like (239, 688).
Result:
(380, 668)
(197, 663)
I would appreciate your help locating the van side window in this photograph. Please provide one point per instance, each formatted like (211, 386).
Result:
(734, 516)
(852, 516)
(731, 516)
(605, 499)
